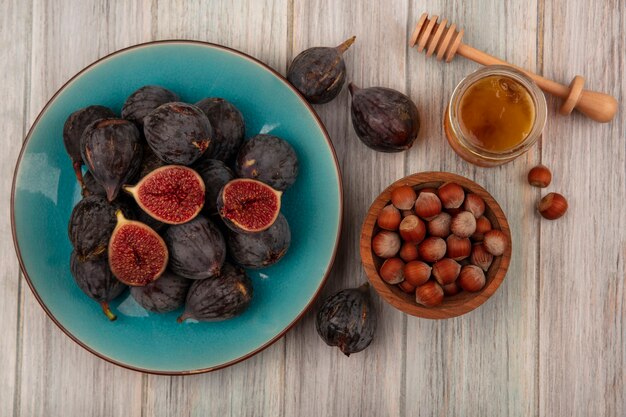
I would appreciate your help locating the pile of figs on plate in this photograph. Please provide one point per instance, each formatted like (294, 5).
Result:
(175, 204)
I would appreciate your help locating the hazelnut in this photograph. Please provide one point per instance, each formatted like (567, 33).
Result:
(458, 247)
(463, 224)
(407, 287)
(427, 206)
(417, 272)
(429, 294)
(471, 278)
(408, 252)
(407, 213)
(451, 195)
(403, 197)
(446, 271)
(483, 225)
(474, 204)
(440, 225)
(495, 242)
(451, 289)
(480, 257)
(389, 218)
(392, 271)
(539, 176)
(427, 190)
(552, 206)
(432, 249)
(412, 229)
(386, 244)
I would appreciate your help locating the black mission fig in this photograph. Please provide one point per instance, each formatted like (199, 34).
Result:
(163, 295)
(144, 100)
(229, 128)
(96, 280)
(219, 298)
(347, 320)
(215, 175)
(320, 72)
(112, 150)
(384, 119)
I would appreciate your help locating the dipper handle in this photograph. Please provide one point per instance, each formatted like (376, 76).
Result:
(446, 42)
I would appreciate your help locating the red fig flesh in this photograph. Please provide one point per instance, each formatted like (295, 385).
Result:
(172, 194)
(248, 205)
(137, 254)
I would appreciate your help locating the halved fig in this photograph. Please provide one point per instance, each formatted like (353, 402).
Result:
(248, 205)
(137, 254)
(172, 194)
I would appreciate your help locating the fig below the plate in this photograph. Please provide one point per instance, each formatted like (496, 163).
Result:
(112, 150)
(347, 320)
(248, 206)
(163, 295)
(320, 72)
(178, 133)
(95, 279)
(262, 249)
(73, 130)
(228, 125)
(91, 224)
(220, 298)
(384, 119)
(144, 100)
(215, 175)
(197, 248)
(137, 254)
(172, 194)
(269, 159)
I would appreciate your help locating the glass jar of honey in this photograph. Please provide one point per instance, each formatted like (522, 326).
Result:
(495, 115)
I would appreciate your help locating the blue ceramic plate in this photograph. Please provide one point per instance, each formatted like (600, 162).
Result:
(45, 190)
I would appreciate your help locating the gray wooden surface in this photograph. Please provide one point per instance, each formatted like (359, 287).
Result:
(552, 340)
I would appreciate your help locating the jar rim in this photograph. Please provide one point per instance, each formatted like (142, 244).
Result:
(537, 96)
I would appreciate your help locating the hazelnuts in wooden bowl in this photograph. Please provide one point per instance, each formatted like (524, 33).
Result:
(435, 245)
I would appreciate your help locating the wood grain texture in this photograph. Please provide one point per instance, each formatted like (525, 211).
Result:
(550, 342)
(582, 299)
(461, 303)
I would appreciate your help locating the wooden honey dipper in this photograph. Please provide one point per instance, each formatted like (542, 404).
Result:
(446, 42)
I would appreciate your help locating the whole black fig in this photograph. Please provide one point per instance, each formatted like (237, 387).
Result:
(178, 133)
(197, 249)
(384, 119)
(228, 127)
(91, 186)
(91, 225)
(269, 159)
(142, 101)
(165, 294)
(219, 298)
(262, 249)
(112, 150)
(319, 73)
(73, 130)
(347, 320)
(95, 279)
(215, 175)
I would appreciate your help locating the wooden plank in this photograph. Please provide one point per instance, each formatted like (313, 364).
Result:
(320, 380)
(57, 376)
(253, 387)
(13, 82)
(485, 360)
(582, 259)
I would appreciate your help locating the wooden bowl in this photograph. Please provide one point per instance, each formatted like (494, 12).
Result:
(453, 306)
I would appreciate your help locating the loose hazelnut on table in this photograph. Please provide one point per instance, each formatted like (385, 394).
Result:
(539, 176)
(495, 242)
(463, 224)
(429, 294)
(451, 195)
(386, 244)
(389, 218)
(552, 206)
(471, 278)
(474, 204)
(403, 197)
(427, 206)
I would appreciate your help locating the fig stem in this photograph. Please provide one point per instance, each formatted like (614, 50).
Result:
(343, 47)
(107, 311)
(353, 88)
